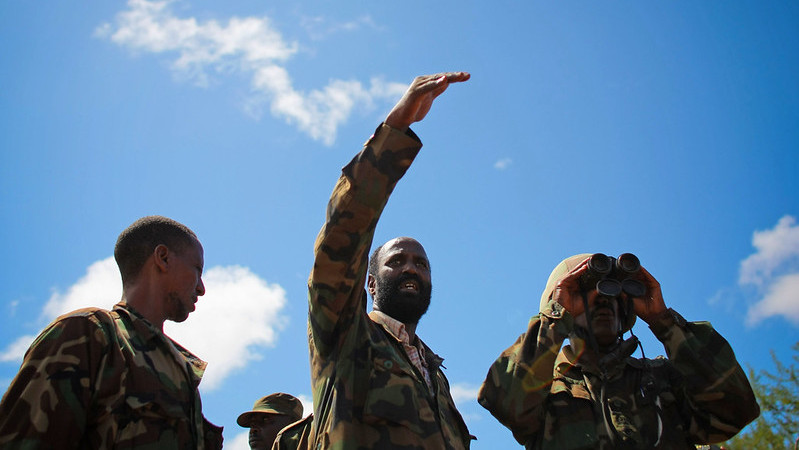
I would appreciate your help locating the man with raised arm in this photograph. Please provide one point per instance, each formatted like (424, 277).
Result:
(375, 383)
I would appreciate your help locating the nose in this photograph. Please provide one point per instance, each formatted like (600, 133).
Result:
(602, 301)
(200, 288)
(410, 267)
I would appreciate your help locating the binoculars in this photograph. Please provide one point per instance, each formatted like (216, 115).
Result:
(612, 276)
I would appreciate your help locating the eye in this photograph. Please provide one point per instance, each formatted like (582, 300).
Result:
(422, 263)
(394, 262)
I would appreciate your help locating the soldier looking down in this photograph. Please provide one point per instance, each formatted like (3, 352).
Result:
(98, 379)
(375, 383)
(591, 394)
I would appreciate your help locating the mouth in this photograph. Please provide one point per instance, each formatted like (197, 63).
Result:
(409, 286)
(603, 313)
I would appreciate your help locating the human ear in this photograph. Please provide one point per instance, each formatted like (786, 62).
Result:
(161, 257)
(370, 285)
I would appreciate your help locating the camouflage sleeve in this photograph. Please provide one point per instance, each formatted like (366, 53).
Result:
(341, 250)
(47, 403)
(517, 384)
(714, 385)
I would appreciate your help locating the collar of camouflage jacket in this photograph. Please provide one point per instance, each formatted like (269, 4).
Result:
(192, 365)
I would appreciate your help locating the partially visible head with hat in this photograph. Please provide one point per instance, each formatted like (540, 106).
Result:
(268, 416)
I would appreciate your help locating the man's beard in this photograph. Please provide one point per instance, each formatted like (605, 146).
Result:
(407, 307)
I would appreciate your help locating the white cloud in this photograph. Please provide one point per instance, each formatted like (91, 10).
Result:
(318, 27)
(239, 313)
(307, 404)
(774, 271)
(249, 45)
(775, 249)
(100, 287)
(240, 442)
(464, 392)
(503, 163)
(781, 299)
(16, 351)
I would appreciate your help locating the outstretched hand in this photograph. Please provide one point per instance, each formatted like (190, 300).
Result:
(418, 99)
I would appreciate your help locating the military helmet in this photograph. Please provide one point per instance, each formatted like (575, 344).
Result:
(565, 267)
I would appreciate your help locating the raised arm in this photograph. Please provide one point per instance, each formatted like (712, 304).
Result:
(336, 284)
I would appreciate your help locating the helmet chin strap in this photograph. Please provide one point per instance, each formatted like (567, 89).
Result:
(591, 338)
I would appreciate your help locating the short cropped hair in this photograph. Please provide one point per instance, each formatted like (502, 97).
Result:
(373, 261)
(138, 241)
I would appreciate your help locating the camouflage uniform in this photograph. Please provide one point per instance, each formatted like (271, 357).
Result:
(106, 379)
(295, 436)
(367, 394)
(551, 399)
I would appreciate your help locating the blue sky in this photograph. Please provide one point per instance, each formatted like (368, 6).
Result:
(664, 129)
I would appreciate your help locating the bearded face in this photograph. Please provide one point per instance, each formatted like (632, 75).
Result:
(400, 281)
(405, 298)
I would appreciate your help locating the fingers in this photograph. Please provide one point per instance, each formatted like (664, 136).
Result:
(417, 100)
(567, 289)
(573, 277)
(437, 82)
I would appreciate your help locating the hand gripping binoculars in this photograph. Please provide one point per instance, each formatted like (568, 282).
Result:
(612, 276)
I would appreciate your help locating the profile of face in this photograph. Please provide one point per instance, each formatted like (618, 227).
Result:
(402, 286)
(264, 429)
(185, 281)
(603, 312)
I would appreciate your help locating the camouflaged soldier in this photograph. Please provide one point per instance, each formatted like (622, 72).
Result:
(97, 379)
(268, 416)
(376, 384)
(592, 395)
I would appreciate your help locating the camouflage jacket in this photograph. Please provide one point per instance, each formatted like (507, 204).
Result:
(294, 436)
(367, 394)
(97, 379)
(553, 398)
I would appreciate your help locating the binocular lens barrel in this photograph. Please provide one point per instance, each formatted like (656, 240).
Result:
(611, 275)
(609, 287)
(628, 263)
(600, 264)
(633, 288)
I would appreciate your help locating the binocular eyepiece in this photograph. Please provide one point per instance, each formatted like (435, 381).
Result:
(612, 276)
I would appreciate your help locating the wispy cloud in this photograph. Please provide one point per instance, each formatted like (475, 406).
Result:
(16, 351)
(239, 313)
(319, 27)
(503, 163)
(464, 392)
(774, 271)
(250, 45)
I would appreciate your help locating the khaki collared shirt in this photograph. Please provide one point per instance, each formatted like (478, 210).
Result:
(415, 350)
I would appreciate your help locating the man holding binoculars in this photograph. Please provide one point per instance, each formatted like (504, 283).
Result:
(591, 394)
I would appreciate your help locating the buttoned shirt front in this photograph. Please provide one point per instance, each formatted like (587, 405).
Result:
(415, 350)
